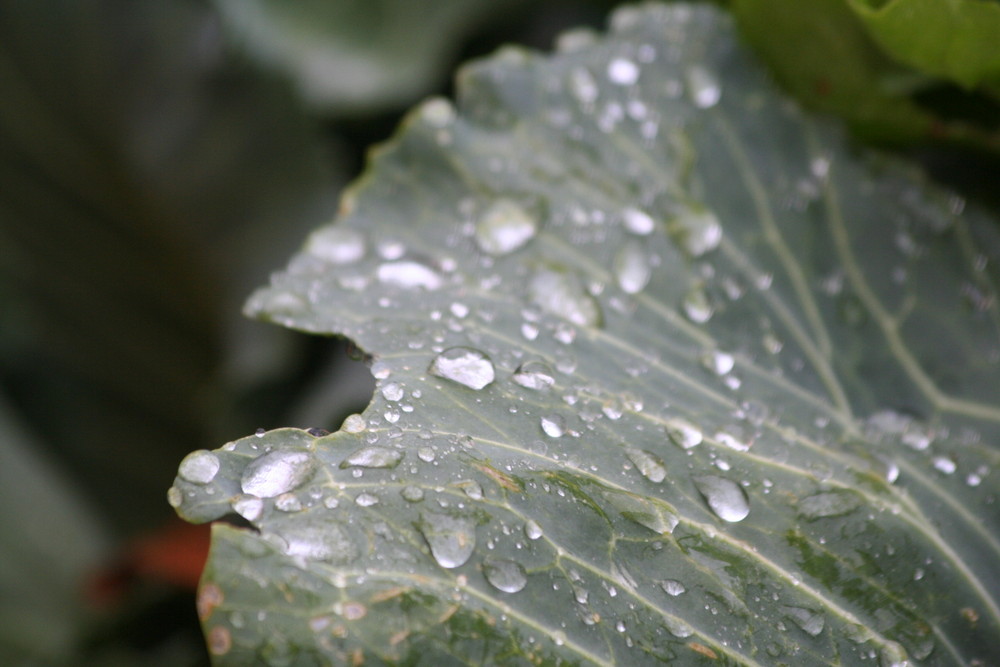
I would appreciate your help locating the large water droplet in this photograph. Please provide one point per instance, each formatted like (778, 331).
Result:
(703, 87)
(725, 498)
(631, 268)
(683, 433)
(451, 539)
(199, 467)
(697, 229)
(811, 622)
(648, 464)
(532, 530)
(638, 222)
(832, 503)
(278, 472)
(534, 375)
(411, 493)
(464, 365)
(373, 457)
(336, 244)
(554, 426)
(644, 512)
(328, 542)
(697, 306)
(409, 275)
(505, 227)
(248, 507)
(505, 575)
(623, 72)
(561, 294)
(672, 587)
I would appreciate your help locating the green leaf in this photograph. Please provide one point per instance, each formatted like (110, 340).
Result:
(954, 40)
(350, 56)
(665, 372)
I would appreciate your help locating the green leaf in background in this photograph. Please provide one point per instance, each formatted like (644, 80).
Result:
(666, 372)
(357, 55)
(955, 40)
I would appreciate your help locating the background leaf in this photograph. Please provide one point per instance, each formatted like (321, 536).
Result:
(665, 371)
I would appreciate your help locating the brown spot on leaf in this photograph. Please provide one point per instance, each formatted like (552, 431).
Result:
(704, 650)
(219, 640)
(209, 597)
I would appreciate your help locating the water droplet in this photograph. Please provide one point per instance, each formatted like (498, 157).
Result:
(288, 502)
(648, 464)
(451, 539)
(373, 457)
(827, 504)
(638, 222)
(199, 467)
(532, 530)
(354, 424)
(328, 542)
(583, 86)
(534, 375)
(562, 294)
(464, 365)
(703, 87)
(718, 362)
(697, 307)
(944, 464)
(366, 500)
(175, 498)
(411, 493)
(438, 112)
(426, 454)
(392, 392)
(811, 622)
(505, 227)
(623, 72)
(672, 587)
(409, 275)
(278, 472)
(725, 498)
(683, 433)
(554, 426)
(677, 627)
(248, 507)
(631, 268)
(697, 229)
(505, 575)
(644, 512)
(336, 244)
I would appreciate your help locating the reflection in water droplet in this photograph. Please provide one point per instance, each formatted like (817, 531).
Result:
(697, 307)
(366, 500)
(505, 227)
(554, 426)
(373, 457)
(248, 507)
(649, 465)
(623, 72)
(561, 294)
(464, 365)
(683, 433)
(409, 275)
(534, 375)
(532, 530)
(451, 539)
(812, 622)
(336, 244)
(672, 587)
(832, 503)
(698, 229)
(631, 267)
(638, 222)
(392, 392)
(725, 498)
(505, 575)
(703, 87)
(199, 467)
(354, 424)
(278, 472)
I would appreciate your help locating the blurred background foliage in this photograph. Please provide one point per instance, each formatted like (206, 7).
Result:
(159, 159)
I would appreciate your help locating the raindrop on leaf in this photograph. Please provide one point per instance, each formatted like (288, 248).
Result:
(464, 365)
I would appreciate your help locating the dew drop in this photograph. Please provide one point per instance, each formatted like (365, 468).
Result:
(683, 433)
(199, 467)
(554, 426)
(649, 465)
(827, 504)
(718, 362)
(944, 464)
(248, 507)
(505, 227)
(278, 472)
(583, 86)
(697, 307)
(392, 392)
(532, 530)
(672, 587)
(697, 229)
(409, 275)
(811, 622)
(464, 365)
(638, 222)
(725, 498)
(411, 493)
(505, 575)
(366, 500)
(703, 87)
(175, 498)
(336, 244)
(288, 502)
(451, 539)
(354, 424)
(562, 294)
(631, 268)
(535, 375)
(329, 543)
(623, 72)
(373, 457)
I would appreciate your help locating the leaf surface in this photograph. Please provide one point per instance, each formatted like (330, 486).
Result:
(666, 371)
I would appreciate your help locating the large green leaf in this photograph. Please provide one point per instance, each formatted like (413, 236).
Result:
(665, 371)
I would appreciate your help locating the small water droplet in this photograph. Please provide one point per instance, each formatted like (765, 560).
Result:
(683, 433)
(697, 229)
(505, 227)
(532, 530)
(623, 72)
(725, 498)
(534, 375)
(672, 587)
(451, 539)
(366, 500)
(703, 87)
(697, 306)
(464, 365)
(505, 575)
(278, 472)
(811, 622)
(648, 464)
(554, 426)
(409, 275)
(438, 112)
(373, 457)
(827, 504)
(562, 294)
(944, 464)
(638, 222)
(199, 467)
(631, 268)
(336, 244)
(718, 362)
